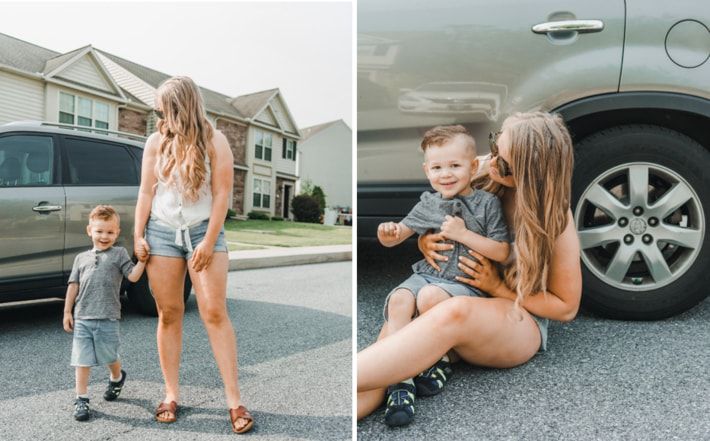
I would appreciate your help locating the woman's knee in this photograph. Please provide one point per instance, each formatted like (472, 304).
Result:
(170, 314)
(213, 315)
(455, 311)
(401, 301)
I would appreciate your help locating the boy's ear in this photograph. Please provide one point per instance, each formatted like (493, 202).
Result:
(426, 169)
(88, 230)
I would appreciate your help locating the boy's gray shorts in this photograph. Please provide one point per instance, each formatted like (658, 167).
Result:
(95, 342)
(416, 282)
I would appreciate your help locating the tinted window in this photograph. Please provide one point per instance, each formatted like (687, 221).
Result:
(26, 160)
(96, 163)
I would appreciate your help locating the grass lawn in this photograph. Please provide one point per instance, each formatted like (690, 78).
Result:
(286, 234)
(242, 247)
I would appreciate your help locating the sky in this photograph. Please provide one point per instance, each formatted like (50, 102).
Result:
(234, 48)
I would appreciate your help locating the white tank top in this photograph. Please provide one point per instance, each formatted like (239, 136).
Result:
(172, 210)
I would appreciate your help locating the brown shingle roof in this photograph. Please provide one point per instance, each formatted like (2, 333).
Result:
(249, 105)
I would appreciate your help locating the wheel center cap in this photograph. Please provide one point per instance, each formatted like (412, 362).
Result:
(637, 225)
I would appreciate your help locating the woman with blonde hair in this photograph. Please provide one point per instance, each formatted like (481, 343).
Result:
(530, 170)
(186, 181)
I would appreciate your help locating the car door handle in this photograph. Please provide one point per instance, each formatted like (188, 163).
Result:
(46, 208)
(581, 26)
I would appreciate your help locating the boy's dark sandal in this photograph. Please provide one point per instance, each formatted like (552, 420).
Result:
(81, 409)
(432, 381)
(114, 387)
(400, 404)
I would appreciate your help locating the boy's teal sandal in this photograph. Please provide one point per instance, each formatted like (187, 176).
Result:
(81, 409)
(400, 404)
(114, 387)
(432, 381)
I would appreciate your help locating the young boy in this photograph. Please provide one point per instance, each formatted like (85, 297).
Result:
(93, 292)
(472, 219)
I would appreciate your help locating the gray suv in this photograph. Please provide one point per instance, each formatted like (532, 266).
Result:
(51, 177)
(630, 77)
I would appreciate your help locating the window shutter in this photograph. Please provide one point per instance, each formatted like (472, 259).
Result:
(283, 152)
(294, 150)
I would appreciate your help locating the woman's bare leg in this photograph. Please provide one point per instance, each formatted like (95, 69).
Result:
(481, 330)
(370, 400)
(167, 276)
(211, 289)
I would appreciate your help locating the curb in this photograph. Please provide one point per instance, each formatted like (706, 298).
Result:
(254, 259)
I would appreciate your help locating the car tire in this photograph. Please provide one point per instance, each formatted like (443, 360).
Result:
(625, 244)
(141, 296)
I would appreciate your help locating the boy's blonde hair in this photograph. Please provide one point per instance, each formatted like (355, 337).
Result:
(105, 213)
(440, 135)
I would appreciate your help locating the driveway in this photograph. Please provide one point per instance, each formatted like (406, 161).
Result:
(294, 341)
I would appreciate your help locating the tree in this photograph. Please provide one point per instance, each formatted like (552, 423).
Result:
(318, 195)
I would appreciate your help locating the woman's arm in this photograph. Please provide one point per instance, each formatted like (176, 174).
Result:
(222, 171)
(564, 282)
(146, 191)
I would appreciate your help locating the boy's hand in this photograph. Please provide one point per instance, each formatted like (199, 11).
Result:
(388, 230)
(141, 249)
(68, 322)
(453, 228)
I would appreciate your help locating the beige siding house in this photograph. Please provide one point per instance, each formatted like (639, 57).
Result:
(92, 88)
(325, 159)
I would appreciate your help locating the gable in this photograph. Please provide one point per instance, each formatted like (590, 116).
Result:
(267, 117)
(282, 115)
(85, 71)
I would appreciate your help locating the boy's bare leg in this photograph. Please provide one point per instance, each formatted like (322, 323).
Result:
(400, 310)
(115, 369)
(429, 296)
(82, 380)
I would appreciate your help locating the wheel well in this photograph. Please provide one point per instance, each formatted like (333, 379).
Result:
(690, 124)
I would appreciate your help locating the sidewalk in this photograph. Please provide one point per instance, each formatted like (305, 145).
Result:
(271, 257)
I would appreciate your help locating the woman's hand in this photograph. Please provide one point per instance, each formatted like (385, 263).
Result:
(202, 256)
(429, 244)
(483, 275)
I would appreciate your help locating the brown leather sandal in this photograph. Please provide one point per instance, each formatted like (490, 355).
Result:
(243, 413)
(171, 407)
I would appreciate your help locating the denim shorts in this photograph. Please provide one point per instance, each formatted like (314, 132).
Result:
(95, 342)
(167, 241)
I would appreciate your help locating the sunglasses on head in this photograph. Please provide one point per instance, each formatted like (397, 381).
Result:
(159, 113)
(503, 166)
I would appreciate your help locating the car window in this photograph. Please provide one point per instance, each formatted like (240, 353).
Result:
(93, 162)
(26, 161)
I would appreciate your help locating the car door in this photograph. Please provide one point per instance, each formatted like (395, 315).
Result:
(97, 172)
(32, 216)
(422, 64)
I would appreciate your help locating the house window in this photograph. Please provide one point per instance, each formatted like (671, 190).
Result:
(80, 111)
(262, 193)
(263, 144)
(289, 149)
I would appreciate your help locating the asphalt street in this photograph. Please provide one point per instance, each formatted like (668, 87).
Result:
(294, 336)
(599, 379)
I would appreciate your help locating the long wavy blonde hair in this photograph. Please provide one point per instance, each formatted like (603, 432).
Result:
(541, 161)
(185, 134)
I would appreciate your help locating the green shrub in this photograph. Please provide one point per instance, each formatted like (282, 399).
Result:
(258, 215)
(318, 194)
(230, 213)
(305, 208)
(277, 218)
